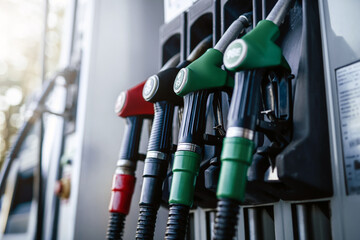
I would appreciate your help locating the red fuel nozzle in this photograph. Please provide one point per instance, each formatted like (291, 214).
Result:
(131, 103)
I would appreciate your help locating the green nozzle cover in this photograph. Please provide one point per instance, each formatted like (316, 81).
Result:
(203, 73)
(185, 170)
(236, 157)
(256, 49)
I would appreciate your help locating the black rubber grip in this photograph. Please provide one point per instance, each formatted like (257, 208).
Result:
(245, 100)
(226, 219)
(194, 118)
(116, 226)
(177, 222)
(131, 138)
(146, 222)
(160, 137)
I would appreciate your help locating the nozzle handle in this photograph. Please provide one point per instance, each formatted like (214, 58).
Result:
(131, 138)
(160, 137)
(244, 105)
(193, 122)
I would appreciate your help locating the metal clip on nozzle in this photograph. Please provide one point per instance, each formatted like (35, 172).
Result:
(124, 177)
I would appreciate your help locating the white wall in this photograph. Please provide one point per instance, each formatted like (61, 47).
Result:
(121, 49)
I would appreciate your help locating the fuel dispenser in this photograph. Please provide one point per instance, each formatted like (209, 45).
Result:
(281, 123)
(249, 99)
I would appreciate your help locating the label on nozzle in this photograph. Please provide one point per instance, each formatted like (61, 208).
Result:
(180, 80)
(150, 87)
(235, 54)
(120, 102)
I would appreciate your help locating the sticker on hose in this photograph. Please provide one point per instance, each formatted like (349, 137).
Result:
(348, 83)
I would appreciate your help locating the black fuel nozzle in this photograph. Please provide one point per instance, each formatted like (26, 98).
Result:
(131, 106)
(158, 90)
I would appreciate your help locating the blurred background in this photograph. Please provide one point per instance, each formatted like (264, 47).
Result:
(30, 49)
(62, 65)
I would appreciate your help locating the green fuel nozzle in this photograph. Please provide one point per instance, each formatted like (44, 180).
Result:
(194, 83)
(250, 57)
(206, 72)
(257, 49)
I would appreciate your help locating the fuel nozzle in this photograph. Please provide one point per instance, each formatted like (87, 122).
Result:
(131, 106)
(194, 83)
(250, 57)
(156, 90)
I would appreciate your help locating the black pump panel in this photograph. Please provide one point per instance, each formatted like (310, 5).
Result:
(303, 166)
(173, 39)
(203, 20)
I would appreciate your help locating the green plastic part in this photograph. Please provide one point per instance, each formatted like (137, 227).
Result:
(203, 73)
(236, 157)
(256, 49)
(185, 170)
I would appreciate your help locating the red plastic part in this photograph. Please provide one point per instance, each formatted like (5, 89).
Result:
(121, 193)
(135, 104)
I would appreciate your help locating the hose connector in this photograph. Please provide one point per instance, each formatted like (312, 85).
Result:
(127, 167)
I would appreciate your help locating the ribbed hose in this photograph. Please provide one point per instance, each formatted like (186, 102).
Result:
(161, 129)
(177, 222)
(226, 219)
(146, 222)
(116, 226)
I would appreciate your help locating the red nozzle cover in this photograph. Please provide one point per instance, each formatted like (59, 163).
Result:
(134, 103)
(121, 193)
